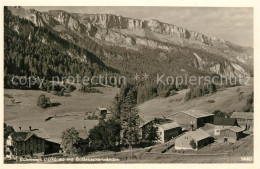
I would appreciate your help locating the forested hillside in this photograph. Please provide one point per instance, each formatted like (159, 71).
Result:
(59, 43)
(132, 45)
(35, 51)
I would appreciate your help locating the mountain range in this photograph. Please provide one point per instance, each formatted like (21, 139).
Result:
(126, 45)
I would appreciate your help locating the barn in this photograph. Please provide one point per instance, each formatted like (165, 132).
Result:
(198, 136)
(168, 131)
(231, 134)
(191, 119)
(52, 146)
(223, 122)
(244, 119)
(29, 143)
(165, 130)
(101, 112)
(24, 143)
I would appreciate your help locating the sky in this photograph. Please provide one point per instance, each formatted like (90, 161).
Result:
(232, 24)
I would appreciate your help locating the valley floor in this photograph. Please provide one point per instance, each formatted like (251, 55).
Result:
(70, 113)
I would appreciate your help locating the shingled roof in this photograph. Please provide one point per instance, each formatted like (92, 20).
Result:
(24, 135)
(40, 132)
(225, 121)
(167, 126)
(198, 134)
(21, 136)
(194, 113)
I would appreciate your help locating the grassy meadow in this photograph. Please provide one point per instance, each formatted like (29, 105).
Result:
(227, 100)
(25, 112)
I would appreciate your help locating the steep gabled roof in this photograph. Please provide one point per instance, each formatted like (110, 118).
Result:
(225, 121)
(21, 136)
(24, 135)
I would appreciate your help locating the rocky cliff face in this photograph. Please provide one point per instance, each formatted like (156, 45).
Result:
(226, 69)
(85, 22)
(119, 22)
(110, 21)
(108, 29)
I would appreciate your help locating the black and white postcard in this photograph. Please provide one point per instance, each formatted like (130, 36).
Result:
(126, 84)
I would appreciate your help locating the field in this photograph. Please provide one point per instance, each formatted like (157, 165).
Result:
(25, 112)
(227, 100)
(71, 113)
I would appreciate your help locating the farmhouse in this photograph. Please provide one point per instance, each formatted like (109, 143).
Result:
(30, 142)
(24, 143)
(198, 136)
(245, 119)
(51, 146)
(231, 134)
(222, 122)
(191, 119)
(168, 131)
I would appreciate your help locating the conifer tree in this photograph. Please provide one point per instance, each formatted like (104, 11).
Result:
(130, 120)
